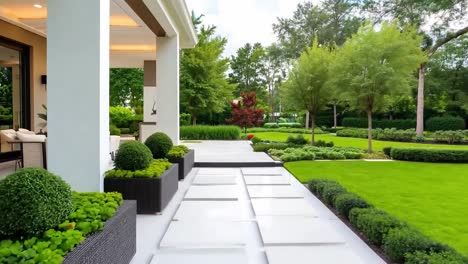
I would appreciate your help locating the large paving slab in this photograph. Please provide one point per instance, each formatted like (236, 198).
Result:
(218, 171)
(262, 171)
(267, 180)
(210, 210)
(216, 180)
(273, 191)
(201, 256)
(330, 254)
(222, 192)
(204, 234)
(292, 207)
(297, 230)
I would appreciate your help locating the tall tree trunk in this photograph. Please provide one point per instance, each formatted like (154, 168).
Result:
(312, 117)
(420, 107)
(307, 120)
(334, 116)
(194, 120)
(369, 131)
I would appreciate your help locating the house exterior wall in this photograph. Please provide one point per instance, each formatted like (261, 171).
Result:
(38, 66)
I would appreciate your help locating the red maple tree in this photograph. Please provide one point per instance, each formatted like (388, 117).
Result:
(244, 112)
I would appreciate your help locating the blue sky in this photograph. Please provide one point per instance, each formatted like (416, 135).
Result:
(243, 21)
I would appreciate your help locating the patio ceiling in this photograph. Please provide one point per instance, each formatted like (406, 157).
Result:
(131, 40)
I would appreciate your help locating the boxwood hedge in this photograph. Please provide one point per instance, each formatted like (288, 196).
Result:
(430, 155)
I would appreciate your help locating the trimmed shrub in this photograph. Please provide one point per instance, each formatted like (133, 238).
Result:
(114, 130)
(374, 224)
(285, 130)
(210, 132)
(160, 144)
(256, 140)
(387, 150)
(346, 201)
(32, 201)
(265, 147)
(329, 191)
(120, 116)
(430, 155)
(391, 134)
(449, 136)
(155, 169)
(445, 123)
(406, 240)
(313, 152)
(383, 123)
(185, 119)
(132, 156)
(323, 143)
(298, 140)
(434, 258)
(271, 125)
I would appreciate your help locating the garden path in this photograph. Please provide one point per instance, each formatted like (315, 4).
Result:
(245, 215)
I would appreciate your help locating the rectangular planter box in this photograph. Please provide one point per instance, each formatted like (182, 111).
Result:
(186, 164)
(116, 243)
(152, 194)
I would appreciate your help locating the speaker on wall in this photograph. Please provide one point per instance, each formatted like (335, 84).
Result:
(43, 79)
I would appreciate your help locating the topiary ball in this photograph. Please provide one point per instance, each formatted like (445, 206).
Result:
(133, 155)
(32, 201)
(159, 144)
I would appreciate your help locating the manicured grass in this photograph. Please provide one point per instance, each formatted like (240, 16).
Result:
(431, 196)
(354, 142)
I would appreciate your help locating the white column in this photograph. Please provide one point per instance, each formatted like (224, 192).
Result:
(78, 91)
(167, 86)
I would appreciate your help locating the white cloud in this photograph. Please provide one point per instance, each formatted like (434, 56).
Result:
(242, 21)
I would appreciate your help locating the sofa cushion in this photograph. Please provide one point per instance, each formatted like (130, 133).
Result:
(26, 137)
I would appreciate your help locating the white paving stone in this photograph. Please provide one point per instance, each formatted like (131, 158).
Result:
(218, 171)
(267, 180)
(273, 191)
(293, 207)
(210, 210)
(262, 171)
(204, 234)
(202, 256)
(216, 180)
(330, 254)
(297, 230)
(221, 192)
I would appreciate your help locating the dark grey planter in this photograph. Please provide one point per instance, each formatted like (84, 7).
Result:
(116, 243)
(186, 163)
(152, 194)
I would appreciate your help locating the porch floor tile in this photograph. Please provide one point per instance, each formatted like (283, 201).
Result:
(273, 191)
(210, 210)
(216, 180)
(267, 180)
(202, 256)
(285, 207)
(225, 192)
(312, 255)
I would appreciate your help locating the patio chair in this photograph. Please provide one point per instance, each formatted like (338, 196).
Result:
(9, 135)
(33, 150)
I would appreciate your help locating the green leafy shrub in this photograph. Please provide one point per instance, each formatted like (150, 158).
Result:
(160, 144)
(449, 137)
(332, 129)
(298, 140)
(345, 202)
(330, 191)
(33, 200)
(155, 169)
(210, 132)
(323, 143)
(285, 130)
(429, 155)
(374, 224)
(315, 185)
(133, 155)
(90, 211)
(114, 130)
(391, 134)
(446, 257)
(185, 119)
(177, 152)
(387, 151)
(125, 130)
(120, 116)
(270, 125)
(256, 140)
(135, 124)
(406, 240)
(265, 147)
(290, 125)
(383, 123)
(445, 123)
(319, 153)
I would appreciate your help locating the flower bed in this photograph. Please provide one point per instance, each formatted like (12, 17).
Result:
(184, 157)
(400, 242)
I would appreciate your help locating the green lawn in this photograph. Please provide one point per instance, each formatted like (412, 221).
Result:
(430, 196)
(353, 142)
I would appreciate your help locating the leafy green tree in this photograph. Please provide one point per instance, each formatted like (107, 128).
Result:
(274, 72)
(331, 22)
(247, 68)
(6, 90)
(441, 21)
(126, 87)
(306, 87)
(203, 86)
(374, 64)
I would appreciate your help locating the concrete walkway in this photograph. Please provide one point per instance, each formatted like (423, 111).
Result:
(245, 215)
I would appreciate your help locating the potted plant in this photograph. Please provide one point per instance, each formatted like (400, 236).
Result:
(137, 176)
(52, 224)
(183, 156)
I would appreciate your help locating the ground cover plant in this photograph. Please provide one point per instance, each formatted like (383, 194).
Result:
(177, 152)
(429, 196)
(155, 169)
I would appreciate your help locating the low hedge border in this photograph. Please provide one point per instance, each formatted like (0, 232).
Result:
(400, 242)
(427, 155)
(210, 132)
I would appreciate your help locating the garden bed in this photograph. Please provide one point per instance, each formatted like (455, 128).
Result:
(185, 163)
(116, 243)
(152, 193)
